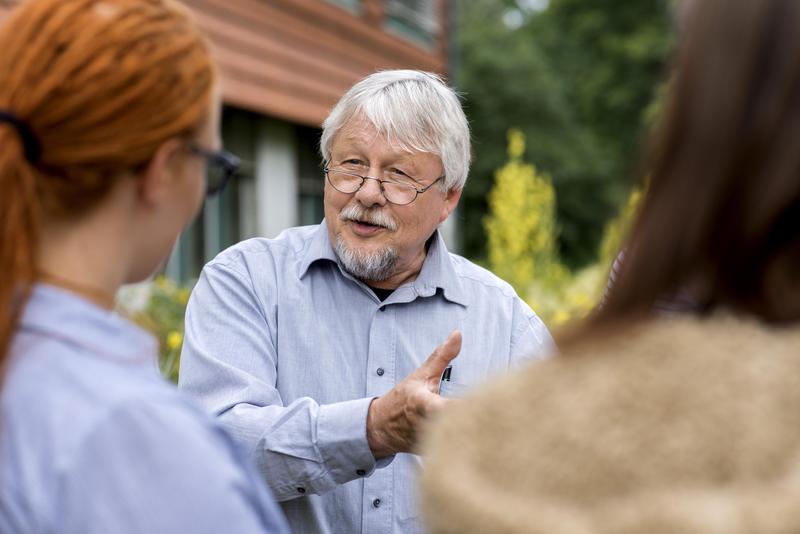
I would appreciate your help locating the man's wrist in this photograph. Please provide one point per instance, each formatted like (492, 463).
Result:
(376, 437)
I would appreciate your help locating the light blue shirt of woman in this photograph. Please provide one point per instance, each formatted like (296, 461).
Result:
(93, 440)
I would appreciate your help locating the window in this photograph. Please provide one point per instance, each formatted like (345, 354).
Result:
(311, 179)
(417, 20)
(351, 5)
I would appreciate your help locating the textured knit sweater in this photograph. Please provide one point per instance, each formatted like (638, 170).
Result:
(673, 426)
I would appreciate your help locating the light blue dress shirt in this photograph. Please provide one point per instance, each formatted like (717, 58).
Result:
(289, 351)
(93, 440)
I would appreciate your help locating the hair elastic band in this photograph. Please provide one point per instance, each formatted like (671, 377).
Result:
(30, 143)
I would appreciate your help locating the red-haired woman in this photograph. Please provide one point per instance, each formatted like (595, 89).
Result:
(109, 116)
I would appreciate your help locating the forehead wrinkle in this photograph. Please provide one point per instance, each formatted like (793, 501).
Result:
(362, 138)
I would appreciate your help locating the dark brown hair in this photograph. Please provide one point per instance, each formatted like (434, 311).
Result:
(721, 219)
(101, 84)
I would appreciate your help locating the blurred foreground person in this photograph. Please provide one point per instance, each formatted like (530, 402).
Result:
(689, 423)
(109, 116)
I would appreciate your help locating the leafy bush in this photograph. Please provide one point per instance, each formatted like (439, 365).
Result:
(522, 234)
(521, 228)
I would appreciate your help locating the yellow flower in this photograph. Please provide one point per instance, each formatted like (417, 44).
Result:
(183, 296)
(516, 143)
(561, 317)
(174, 340)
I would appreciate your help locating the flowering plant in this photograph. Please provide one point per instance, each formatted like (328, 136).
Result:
(162, 312)
(522, 233)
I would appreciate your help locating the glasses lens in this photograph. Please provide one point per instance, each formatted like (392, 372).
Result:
(399, 193)
(216, 176)
(344, 182)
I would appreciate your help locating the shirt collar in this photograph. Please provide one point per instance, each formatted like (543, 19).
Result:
(60, 314)
(438, 271)
(319, 248)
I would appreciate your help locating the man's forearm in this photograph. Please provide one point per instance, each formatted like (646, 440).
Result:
(304, 448)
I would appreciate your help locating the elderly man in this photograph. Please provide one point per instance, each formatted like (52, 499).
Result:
(311, 347)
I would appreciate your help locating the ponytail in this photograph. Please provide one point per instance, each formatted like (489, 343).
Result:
(19, 213)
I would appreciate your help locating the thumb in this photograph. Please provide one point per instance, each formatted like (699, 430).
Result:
(441, 357)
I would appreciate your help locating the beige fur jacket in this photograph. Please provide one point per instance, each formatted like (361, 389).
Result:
(675, 426)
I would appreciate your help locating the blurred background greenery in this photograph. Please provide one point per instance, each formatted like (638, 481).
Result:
(579, 78)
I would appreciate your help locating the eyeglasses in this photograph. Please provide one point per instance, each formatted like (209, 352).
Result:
(221, 166)
(399, 193)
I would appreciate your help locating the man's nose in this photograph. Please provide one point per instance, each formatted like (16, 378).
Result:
(370, 193)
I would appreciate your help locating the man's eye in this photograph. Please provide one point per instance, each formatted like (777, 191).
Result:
(399, 176)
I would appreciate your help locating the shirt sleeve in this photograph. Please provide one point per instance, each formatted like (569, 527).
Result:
(160, 468)
(530, 338)
(230, 362)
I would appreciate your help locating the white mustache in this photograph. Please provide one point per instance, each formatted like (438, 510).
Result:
(356, 213)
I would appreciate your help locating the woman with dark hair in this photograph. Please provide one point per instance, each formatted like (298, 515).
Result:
(109, 116)
(688, 423)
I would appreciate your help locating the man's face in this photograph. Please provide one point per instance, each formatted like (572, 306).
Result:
(363, 225)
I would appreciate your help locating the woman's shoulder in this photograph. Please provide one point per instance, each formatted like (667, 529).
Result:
(53, 383)
(64, 407)
(642, 407)
(146, 456)
(164, 465)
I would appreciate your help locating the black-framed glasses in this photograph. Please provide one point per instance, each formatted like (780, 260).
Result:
(221, 166)
(400, 193)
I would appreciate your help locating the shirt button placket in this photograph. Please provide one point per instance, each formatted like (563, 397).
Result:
(381, 347)
(377, 504)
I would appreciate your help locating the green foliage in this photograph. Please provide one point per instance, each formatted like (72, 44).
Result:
(522, 230)
(163, 315)
(616, 230)
(577, 79)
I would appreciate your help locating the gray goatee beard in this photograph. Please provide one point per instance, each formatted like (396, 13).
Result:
(368, 266)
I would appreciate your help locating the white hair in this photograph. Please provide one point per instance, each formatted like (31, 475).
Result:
(415, 111)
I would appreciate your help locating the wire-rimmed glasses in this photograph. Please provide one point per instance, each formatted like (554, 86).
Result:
(396, 192)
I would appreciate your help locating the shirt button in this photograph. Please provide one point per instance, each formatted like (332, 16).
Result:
(376, 503)
(301, 489)
(361, 472)
(379, 371)
(382, 308)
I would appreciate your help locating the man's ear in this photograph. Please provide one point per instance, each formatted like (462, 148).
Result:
(450, 202)
(158, 176)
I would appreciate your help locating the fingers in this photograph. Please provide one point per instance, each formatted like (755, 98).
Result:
(442, 356)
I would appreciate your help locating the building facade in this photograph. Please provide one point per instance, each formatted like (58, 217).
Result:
(284, 64)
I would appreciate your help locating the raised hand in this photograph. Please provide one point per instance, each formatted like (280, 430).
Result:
(394, 420)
